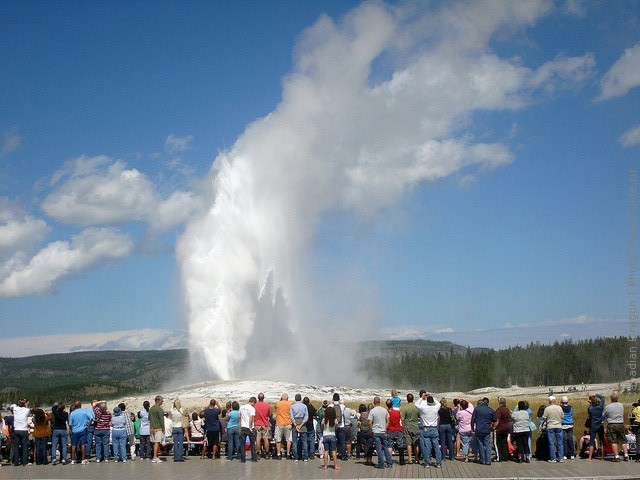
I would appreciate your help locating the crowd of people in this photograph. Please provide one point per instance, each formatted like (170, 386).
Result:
(419, 428)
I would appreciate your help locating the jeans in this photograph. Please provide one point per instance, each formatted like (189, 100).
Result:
(380, 440)
(366, 440)
(59, 437)
(41, 450)
(446, 440)
(429, 440)
(90, 435)
(244, 433)
(178, 443)
(145, 446)
(555, 437)
(102, 444)
(310, 439)
(341, 437)
(569, 445)
(296, 436)
(233, 443)
(20, 439)
(484, 447)
(119, 440)
(465, 438)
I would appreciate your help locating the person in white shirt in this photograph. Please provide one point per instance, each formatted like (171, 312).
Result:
(429, 435)
(247, 429)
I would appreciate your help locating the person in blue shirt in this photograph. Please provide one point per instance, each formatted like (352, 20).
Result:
(79, 421)
(482, 423)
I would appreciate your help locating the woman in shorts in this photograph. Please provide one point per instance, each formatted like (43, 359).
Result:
(329, 437)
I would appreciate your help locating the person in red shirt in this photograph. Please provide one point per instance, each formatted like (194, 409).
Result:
(263, 425)
(394, 431)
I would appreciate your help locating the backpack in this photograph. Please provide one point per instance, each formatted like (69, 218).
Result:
(454, 420)
(365, 426)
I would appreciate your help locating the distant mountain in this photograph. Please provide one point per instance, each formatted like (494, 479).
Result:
(46, 379)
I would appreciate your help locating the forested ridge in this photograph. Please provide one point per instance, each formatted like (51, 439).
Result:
(562, 363)
(439, 366)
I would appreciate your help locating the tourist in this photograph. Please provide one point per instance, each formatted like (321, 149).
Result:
(394, 431)
(79, 420)
(20, 433)
(379, 420)
(445, 430)
(454, 425)
(283, 425)
(309, 436)
(553, 416)
(595, 423)
(196, 431)
(463, 416)
(156, 427)
(59, 436)
(247, 415)
(482, 421)
(119, 435)
(178, 421)
(130, 429)
(41, 434)
(567, 429)
(395, 399)
(329, 438)
(233, 432)
(263, 426)
(429, 435)
(102, 431)
(364, 439)
(340, 431)
(521, 431)
(410, 416)
(502, 428)
(213, 427)
(145, 432)
(299, 414)
(614, 416)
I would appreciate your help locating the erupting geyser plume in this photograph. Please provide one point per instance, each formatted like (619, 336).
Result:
(374, 106)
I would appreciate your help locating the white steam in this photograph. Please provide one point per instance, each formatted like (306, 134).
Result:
(374, 106)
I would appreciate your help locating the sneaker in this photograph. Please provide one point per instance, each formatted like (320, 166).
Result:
(84, 462)
(73, 462)
(295, 461)
(124, 461)
(561, 461)
(106, 461)
(98, 461)
(551, 461)
(156, 460)
(63, 462)
(438, 465)
(306, 460)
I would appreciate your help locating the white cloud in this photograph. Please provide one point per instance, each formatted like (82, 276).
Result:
(101, 191)
(11, 141)
(174, 144)
(631, 137)
(62, 259)
(445, 330)
(623, 75)
(19, 231)
(576, 8)
(143, 339)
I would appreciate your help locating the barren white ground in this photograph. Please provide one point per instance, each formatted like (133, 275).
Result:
(198, 395)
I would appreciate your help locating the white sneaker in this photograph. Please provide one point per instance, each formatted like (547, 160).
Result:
(156, 460)
(84, 462)
(73, 462)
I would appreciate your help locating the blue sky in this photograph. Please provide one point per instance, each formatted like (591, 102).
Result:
(454, 171)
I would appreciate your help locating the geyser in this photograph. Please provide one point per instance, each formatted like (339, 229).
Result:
(374, 106)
